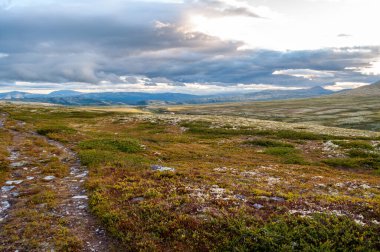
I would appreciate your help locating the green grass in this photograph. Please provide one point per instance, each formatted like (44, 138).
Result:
(288, 155)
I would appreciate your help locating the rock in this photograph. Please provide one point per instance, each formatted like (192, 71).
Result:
(257, 206)
(162, 168)
(365, 186)
(81, 207)
(4, 205)
(18, 164)
(80, 197)
(13, 182)
(29, 178)
(48, 178)
(240, 197)
(277, 199)
(15, 194)
(329, 146)
(137, 199)
(339, 185)
(221, 169)
(82, 175)
(7, 188)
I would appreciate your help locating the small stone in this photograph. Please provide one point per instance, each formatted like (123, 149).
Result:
(277, 199)
(7, 188)
(137, 199)
(15, 194)
(18, 164)
(82, 175)
(29, 178)
(339, 185)
(240, 197)
(48, 178)
(257, 206)
(4, 205)
(13, 182)
(80, 197)
(81, 207)
(365, 186)
(162, 168)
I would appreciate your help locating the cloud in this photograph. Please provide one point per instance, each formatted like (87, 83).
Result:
(338, 86)
(113, 46)
(305, 73)
(224, 8)
(372, 69)
(342, 35)
(145, 84)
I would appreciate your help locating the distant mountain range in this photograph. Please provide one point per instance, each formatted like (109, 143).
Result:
(74, 98)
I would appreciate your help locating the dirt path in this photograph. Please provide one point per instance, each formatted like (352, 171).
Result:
(46, 182)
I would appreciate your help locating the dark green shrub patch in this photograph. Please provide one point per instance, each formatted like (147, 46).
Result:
(123, 145)
(354, 145)
(269, 143)
(46, 130)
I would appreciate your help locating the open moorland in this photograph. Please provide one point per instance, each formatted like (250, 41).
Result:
(77, 179)
(335, 111)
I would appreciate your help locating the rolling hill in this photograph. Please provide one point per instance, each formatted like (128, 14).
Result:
(74, 98)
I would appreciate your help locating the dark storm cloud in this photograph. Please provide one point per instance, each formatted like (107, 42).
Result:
(92, 42)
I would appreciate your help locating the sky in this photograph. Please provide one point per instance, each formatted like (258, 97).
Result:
(188, 46)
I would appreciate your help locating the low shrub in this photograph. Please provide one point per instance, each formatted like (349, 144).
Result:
(269, 143)
(354, 145)
(123, 145)
(55, 129)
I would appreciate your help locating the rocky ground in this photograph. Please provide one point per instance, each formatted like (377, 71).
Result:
(46, 184)
(168, 182)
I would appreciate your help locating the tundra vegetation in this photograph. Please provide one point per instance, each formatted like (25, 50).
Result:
(163, 182)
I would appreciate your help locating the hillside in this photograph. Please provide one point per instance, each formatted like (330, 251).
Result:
(365, 91)
(73, 98)
(358, 109)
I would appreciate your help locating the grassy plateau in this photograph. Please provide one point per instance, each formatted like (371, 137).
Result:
(198, 182)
